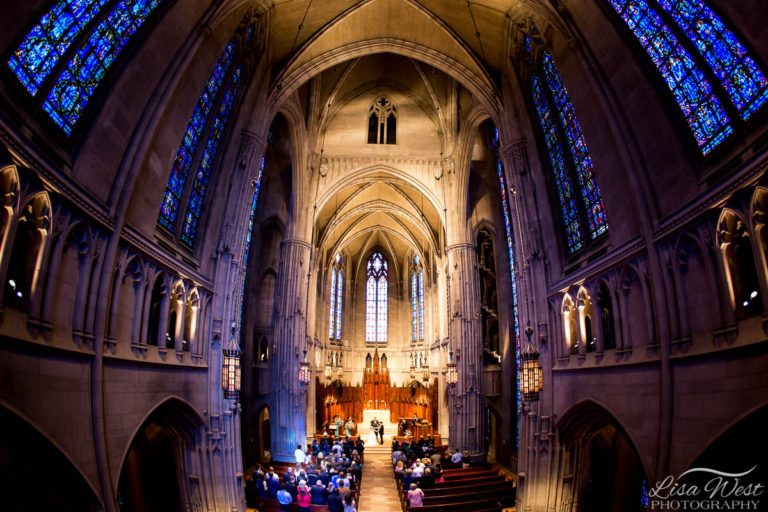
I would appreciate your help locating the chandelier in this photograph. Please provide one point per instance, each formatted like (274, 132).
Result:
(531, 374)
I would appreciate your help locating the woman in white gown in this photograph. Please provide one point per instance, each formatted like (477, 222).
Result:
(371, 441)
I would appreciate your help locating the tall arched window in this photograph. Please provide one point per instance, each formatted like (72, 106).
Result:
(682, 39)
(202, 140)
(382, 122)
(376, 299)
(417, 300)
(88, 37)
(581, 205)
(336, 299)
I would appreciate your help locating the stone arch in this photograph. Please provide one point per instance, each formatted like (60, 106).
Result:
(742, 277)
(570, 325)
(176, 320)
(32, 232)
(355, 33)
(158, 465)
(600, 455)
(25, 450)
(9, 204)
(634, 309)
(585, 309)
(157, 301)
(695, 286)
(191, 321)
(726, 451)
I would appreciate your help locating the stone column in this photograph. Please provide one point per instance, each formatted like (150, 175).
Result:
(465, 408)
(289, 398)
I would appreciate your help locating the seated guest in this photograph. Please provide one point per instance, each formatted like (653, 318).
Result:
(285, 499)
(319, 494)
(415, 496)
(290, 486)
(349, 504)
(334, 502)
(408, 478)
(438, 473)
(427, 480)
(418, 469)
(456, 457)
(399, 468)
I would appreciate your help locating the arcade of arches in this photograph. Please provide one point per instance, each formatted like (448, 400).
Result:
(369, 193)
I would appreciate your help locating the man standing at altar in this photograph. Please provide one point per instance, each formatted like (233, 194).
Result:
(378, 428)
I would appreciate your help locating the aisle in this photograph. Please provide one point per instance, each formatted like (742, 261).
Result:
(379, 492)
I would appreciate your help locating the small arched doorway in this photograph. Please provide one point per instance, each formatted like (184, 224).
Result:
(492, 437)
(263, 436)
(600, 458)
(154, 472)
(35, 474)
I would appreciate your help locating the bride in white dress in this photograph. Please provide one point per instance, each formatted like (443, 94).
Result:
(371, 441)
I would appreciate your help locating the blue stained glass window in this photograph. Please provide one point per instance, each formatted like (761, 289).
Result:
(736, 70)
(376, 299)
(565, 189)
(332, 297)
(414, 308)
(76, 85)
(337, 299)
(420, 289)
(590, 193)
(49, 39)
(417, 301)
(513, 281)
(692, 91)
(181, 163)
(208, 158)
(249, 236)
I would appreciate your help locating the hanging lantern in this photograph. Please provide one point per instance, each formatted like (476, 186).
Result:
(531, 374)
(304, 372)
(453, 375)
(230, 371)
(425, 374)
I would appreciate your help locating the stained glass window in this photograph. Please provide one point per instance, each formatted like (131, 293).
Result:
(512, 279)
(207, 160)
(736, 70)
(590, 193)
(562, 177)
(336, 299)
(192, 136)
(49, 39)
(376, 299)
(417, 301)
(699, 104)
(86, 69)
(248, 238)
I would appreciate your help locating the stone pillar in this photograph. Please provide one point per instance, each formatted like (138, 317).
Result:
(288, 396)
(465, 408)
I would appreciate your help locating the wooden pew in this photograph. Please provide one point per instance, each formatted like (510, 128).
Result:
(469, 505)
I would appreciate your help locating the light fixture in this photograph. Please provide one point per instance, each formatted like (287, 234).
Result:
(531, 374)
(230, 371)
(304, 371)
(453, 376)
(753, 294)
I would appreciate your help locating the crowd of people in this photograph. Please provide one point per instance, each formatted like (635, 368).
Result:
(327, 472)
(418, 466)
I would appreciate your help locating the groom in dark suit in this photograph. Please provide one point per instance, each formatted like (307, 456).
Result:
(378, 429)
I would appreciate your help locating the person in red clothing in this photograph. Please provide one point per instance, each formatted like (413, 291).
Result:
(303, 497)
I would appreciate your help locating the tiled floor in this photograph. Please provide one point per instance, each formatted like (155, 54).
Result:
(379, 491)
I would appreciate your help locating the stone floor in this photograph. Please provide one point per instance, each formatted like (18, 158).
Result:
(379, 490)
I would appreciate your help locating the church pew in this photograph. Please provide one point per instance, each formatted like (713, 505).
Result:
(504, 496)
(467, 489)
(269, 505)
(459, 506)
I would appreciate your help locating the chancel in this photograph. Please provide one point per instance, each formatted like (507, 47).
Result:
(383, 255)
